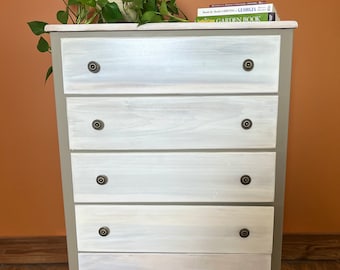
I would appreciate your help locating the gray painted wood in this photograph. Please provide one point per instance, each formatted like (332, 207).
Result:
(173, 177)
(111, 261)
(171, 64)
(170, 228)
(195, 122)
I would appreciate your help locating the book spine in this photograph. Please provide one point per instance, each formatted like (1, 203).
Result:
(238, 4)
(245, 9)
(257, 17)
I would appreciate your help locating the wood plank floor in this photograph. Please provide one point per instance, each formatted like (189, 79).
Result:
(290, 265)
(300, 252)
(311, 265)
(34, 267)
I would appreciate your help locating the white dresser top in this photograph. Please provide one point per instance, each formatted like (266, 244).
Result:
(168, 26)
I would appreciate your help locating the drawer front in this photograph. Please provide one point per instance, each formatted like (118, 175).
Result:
(173, 177)
(169, 64)
(182, 229)
(196, 122)
(109, 261)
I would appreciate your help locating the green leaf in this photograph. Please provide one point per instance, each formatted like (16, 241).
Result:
(164, 8)
(150, 17)
(150, 5)
(48, 73)
(62, 16)
(172, 8)
(102, 3)
(91, 3)
(37, 27)
(43, 45)
(111, 13)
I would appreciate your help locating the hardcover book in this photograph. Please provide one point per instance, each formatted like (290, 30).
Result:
(256, 17)
(238, 4)
(244, 9)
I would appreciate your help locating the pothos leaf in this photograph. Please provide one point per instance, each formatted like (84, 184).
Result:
(164, 8)
(111, 13)
(102, 3)
(48, 73)
(62, 16)
(43, 45)
(172, 7)
(37, 27)
(150, 16)
(150, 5)
(91, 3)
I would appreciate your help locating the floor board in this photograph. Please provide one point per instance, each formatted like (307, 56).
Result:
(311, 265)
(299, 252)
(289, 265)
(34, 267)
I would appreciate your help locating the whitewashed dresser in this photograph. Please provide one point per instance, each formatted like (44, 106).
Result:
(173, 143)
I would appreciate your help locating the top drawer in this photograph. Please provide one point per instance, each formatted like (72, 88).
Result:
(159, 64)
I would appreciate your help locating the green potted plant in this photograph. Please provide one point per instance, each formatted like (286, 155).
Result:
(109, 11)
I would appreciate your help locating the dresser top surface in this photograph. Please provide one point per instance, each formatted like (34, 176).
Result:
(169, 26)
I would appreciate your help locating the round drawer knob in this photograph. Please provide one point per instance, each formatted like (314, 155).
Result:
(244, 233)
(246, 124)
(245, 180)
(102, 179)
(248, 65)
(93, 67)
(104, 231)
(98, 124)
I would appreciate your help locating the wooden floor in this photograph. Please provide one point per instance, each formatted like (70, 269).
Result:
(317, 265)
(299, 252)
(332, 265)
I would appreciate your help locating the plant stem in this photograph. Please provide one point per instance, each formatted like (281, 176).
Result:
(90, 20)
(69, 10)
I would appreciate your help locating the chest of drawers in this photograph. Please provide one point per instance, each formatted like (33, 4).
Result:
(173, 143)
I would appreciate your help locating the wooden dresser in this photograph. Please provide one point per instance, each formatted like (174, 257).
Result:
(173, 143)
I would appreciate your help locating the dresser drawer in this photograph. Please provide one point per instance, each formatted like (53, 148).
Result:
(160, 63)
(194, 122)
(173, 177)
(147, 261)
(171, 228)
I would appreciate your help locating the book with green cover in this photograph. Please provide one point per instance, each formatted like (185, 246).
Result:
(255, 17)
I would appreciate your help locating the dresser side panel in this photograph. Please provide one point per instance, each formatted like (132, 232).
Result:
(64, 152)
(281, 142)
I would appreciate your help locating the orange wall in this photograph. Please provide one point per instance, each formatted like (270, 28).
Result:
(30, 189)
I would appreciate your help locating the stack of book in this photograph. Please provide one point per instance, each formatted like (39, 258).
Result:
(255, 11)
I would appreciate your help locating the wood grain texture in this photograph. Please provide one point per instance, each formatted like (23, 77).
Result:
(310, 265)
(33, 250)
(63, 266)
(170, 228)
(173, 177)
(199, 63)
(149, 123)
(311, 247)
(174, 261)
